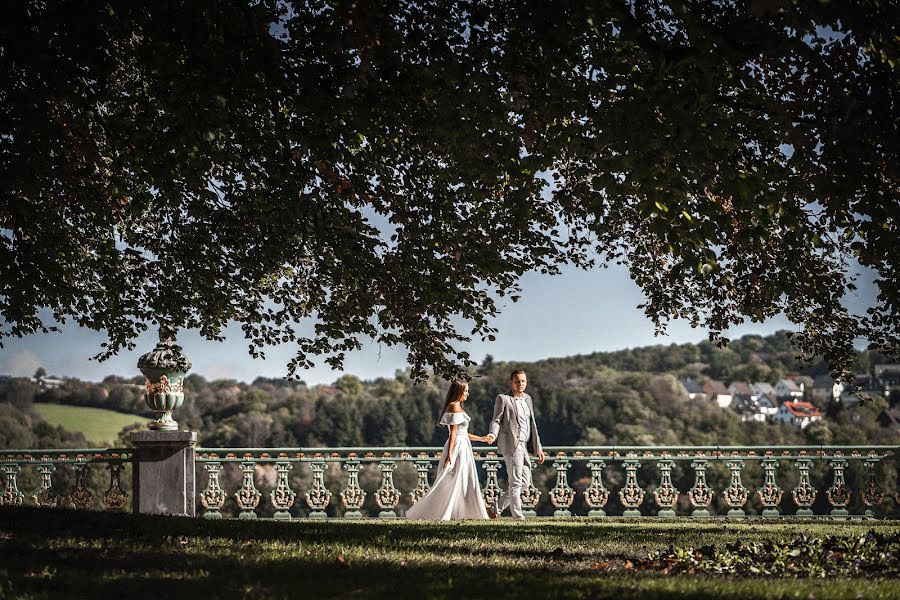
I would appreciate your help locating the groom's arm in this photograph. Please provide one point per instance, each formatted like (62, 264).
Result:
(494, 429)
(538, 449)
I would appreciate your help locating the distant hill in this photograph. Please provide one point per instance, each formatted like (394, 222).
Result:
(625, 397)
(98, 425)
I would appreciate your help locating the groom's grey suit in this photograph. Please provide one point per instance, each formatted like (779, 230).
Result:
(515, 444)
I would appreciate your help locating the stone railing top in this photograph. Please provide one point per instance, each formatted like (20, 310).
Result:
(66, 454)
(620, 453)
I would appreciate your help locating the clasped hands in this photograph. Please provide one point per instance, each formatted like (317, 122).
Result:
(489, 439)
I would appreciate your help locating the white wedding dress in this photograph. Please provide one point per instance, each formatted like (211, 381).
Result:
(456, 492)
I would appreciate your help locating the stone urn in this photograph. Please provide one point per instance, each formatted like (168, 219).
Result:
(164, 369)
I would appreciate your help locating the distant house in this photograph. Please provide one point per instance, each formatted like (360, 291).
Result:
(739, 388)
(826, 389)
(888, 381)
(761, 388)
(746, 409)
(848, 398)
(788, 390)
(768, 405)
(753, 408)
(888, 374)
(715, 390)
(890, 417)
(865, 381)
(47, 383)
(799, 414)
(692, 388)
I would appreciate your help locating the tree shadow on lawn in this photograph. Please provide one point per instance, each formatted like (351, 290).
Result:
(49, 553)
(93, 573)
(142, 569)
(154, 528)
(151, 528)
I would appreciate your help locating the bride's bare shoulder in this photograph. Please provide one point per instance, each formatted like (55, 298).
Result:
(454, 407)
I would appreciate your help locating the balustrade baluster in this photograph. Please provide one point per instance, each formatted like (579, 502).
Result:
(11, 495)
(838, 494)
(247, 496)
(736, 495)
(422, 485)
(666, 495)
(318, 497)
(530, 495)
(596, 495)
(212, 499)
(872, 495)
(804, 494)
(80, 497)
(46, 497)
(491, 492)
(115, 496)
(700, 495)
(631, 495)
(282, 496)
(561, 496)
(770, 494)
(353, 496)
(387, 495)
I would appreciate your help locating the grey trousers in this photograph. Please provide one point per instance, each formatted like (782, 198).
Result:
(518, 474)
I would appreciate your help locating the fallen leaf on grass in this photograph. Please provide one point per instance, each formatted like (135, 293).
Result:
(628, 564)
(597, 566)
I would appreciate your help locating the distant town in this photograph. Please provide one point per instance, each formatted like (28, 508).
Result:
(789, 400)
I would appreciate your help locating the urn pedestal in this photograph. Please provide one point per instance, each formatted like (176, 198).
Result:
(163, 479)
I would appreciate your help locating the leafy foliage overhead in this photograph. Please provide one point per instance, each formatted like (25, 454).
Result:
(388, 169)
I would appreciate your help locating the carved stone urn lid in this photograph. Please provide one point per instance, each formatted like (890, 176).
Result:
(166, 356)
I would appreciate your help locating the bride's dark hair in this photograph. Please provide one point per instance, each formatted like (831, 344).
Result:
(456, 391)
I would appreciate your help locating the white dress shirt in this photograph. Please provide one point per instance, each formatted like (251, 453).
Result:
(524, 419)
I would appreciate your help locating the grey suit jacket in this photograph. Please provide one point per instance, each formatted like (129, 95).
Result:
(505, 425)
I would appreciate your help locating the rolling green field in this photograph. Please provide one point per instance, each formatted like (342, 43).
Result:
(98, 425)
(65, 554)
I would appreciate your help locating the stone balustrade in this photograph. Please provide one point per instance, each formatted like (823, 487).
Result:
(80, 461)
(737, 497)
(631, 481)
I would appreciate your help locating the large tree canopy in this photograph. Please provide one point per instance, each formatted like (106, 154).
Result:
(386, 170)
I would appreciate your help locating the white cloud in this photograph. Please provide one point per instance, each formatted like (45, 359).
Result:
(22, 363)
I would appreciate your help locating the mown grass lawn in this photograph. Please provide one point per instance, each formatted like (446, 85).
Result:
(52, 554)
(100, 426)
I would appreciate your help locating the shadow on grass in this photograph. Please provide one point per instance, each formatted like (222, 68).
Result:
(62, 553)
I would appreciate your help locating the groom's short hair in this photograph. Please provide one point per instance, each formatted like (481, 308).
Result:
(516, 372)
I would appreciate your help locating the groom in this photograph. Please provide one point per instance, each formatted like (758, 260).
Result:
(515, 430)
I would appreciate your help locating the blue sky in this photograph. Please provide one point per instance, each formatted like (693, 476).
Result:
(577, 312)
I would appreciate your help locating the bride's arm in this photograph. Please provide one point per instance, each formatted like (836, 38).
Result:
(451, 445)
(477, 438)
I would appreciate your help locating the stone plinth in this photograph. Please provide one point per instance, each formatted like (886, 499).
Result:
(163, 477)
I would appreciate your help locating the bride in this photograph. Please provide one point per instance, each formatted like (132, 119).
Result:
(456, 493)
